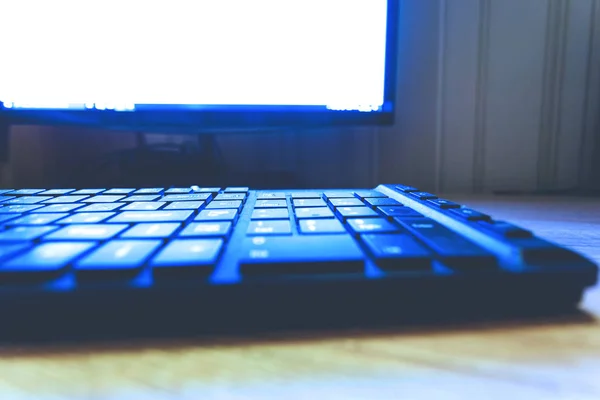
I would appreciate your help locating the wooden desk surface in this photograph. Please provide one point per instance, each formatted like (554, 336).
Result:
(541, 360)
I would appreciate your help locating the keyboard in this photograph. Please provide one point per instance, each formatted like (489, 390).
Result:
(198, 258)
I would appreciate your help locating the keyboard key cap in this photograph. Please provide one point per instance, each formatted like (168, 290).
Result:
(116, 260)
(119, 191)
(187, 197)
(270, 213)
(404, 188)
(152, 216)
(88, 191)
(316, 226)
(224, 204)
(38, 219)
(269, 228)
(230, 196)
(207, 229)
(338, 195)
(540, 252)
(185, 205)
(313, 212)
(271, 196)
(270, 204)
(25, 233)
(100, 207)
(401, 212)
(295, 255)
(4, 218)
(149, 191)
(86, 218)
(213, 190)
(504, 229)
(150, 231)
(103, 199)
(423, 195)
(470, 214)
(144, 206)
(41, 263)
(444, 204)
(59, 208)
(186, 258)
(397, 252)
(18, 208)
(7, 198)
(306, 195)
(358, 212)
(453, 249)
(371, 225)
(346, 202)
(87, 232)
(365, 194)
(6, 191)
(56, 192)
(217, 215)
(382, 202)
(65, 199)
(141, 198)
(26, 192)
(26, 199)
(8, 250)
(309, 203)
(237, 189)
(179, 190)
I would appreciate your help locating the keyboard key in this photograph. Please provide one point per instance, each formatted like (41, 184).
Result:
(18, 208)
(224, 204)
(25, 233)
(365, 194)
(371, 225)
(100, 207)
(87, 232)
(470, 214)
(316, 226)
(358, 212)
(56, 192)
(270, 204)
(339, 195)
(185, 205)
(453, 249)
(423, 195)
(144, 206)
(401, 212)
(217, 215)
(309, 203)
(230, 196)
(7, 198)
(38, 219)
(7, 217)
(295, 255)
(26, 199)
(59, 208)
(213, 190)
(8, 250)
(26, 192)
(6, 191)
(187, 197)
(149, 191)
(306, 195)
(150, 231)
(237, 189)
(313, 212)
(404, 188)
(207, 229)
(270, 213)
(397, 252)
(118, 259)
(179, 190)
(65, 199)
(269, 228)
(382, 202)
(119, 191)
(504, 229)
(141, 198)
(444, 204)
(89, 191)
(151, 216)
(86, 218)
(41, 263)
(271, 196)
(186, 258)
(540, 252)
(103, 199)
(347, 202)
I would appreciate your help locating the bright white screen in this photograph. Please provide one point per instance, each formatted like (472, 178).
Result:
(117, 53)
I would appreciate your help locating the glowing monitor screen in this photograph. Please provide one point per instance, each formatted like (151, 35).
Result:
(124, 56)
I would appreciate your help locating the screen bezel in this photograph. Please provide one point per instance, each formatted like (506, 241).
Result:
(243, 117)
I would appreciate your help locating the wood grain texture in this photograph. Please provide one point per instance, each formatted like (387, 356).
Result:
(542, 359)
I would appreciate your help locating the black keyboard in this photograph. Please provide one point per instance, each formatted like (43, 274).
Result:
(196, 258)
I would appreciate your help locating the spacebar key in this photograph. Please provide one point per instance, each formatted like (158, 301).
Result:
(299, 255)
